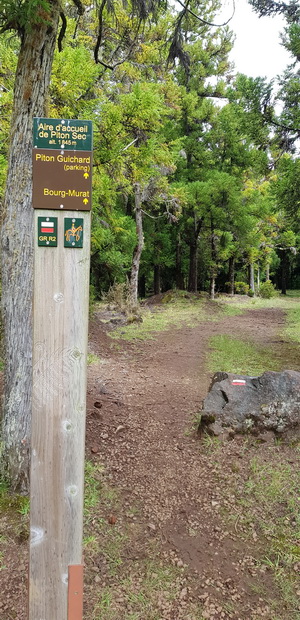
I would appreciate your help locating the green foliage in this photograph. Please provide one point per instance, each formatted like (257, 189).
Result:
(23, 14)
(12, 503)
(204, 169)
(267, 290)
(241, 288)
(73, 90)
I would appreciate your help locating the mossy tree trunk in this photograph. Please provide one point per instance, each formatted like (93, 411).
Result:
(31, 88)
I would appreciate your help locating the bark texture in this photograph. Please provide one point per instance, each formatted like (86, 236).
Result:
(284, 264)
(251, 277)
(231, 268)
(193, 267)
(31, 87)
(179, 274)
(134, 277)
(157, 279)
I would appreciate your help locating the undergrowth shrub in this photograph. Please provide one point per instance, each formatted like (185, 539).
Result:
(241, 287)
(118, 298)
(267, 290)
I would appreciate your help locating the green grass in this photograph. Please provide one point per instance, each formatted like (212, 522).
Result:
(151, 586)
(270, 504)
(179, 311)
(295, 293)
(93, 359)
(285, 302)
(239, 357)
(172, 315)
(292, 331)
(136, 589)
(13, 503)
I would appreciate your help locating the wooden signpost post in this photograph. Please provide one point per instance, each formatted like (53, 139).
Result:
(62, 170)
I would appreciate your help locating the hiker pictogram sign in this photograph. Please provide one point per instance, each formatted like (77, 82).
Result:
(73, 232)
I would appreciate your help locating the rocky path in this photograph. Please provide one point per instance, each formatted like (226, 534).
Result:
(149, 394)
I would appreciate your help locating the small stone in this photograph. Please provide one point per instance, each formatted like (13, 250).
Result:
(95, 449)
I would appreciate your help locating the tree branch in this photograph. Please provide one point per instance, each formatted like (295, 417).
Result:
(100, 32)
(80, 7)
(62, 31)
(204, 21)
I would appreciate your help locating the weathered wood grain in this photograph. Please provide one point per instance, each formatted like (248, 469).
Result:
(61, 292)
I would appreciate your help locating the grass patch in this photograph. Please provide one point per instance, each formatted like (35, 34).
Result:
(270, 505)
(239, 357)
(293, 329)
(179, 311)
(100, 504)
(13, 503)
(148, 593)
(93, 359)
(174, 314)
(285, 302)
(140, 588)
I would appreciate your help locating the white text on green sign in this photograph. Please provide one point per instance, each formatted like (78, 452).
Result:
(64, 134)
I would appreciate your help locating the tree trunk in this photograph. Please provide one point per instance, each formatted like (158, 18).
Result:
(267, 272)
(258, 278)
(192, 283)
(251, 277)
(284, 270)
(231, 266)
(31, 87)
(134, 276)
(179, 274)
(213, 260)
(156, 280)
(212, 286)
(142, 286)
(193, 270)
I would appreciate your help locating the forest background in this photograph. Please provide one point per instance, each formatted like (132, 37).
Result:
(191, 159)
(196, 174)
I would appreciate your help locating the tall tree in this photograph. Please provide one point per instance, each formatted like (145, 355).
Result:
(37, 25)
(36, 22)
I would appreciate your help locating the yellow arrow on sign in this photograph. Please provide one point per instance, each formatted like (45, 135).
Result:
(86, 175)
(85, 200)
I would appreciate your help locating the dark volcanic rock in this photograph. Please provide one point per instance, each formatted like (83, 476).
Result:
(243, 404)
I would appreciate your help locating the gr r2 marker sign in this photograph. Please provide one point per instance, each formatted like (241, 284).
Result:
(47, 231)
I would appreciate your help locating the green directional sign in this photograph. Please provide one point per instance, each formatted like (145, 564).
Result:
(64, 134)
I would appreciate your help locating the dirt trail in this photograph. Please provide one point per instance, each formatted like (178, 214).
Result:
(176, 501)
(148, 393)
